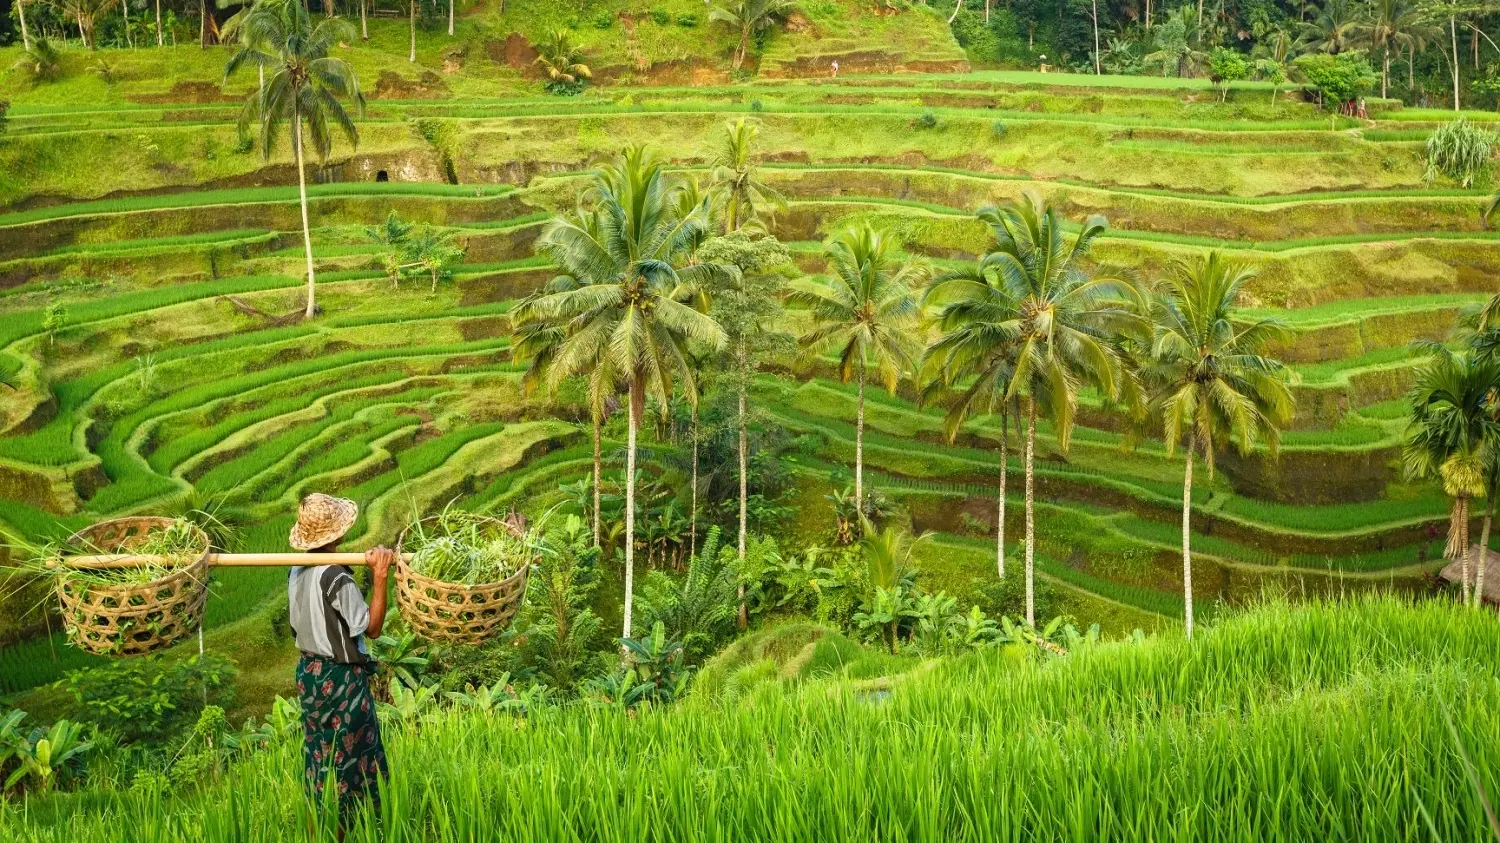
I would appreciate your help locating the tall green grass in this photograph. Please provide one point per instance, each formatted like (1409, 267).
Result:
(1321, 722)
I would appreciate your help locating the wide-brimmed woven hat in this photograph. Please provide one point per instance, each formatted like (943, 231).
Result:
(322, 520)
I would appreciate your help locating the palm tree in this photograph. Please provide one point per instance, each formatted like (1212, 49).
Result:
(434, 252)
(978, 321)
(305, 87)
(1390, 26)
(1453, 436)
(1210, 382)
(561, 60)
(732, 168)
(750, 17)
(864, 307)
(1335, 29)
(1067, 328)
(628, 308)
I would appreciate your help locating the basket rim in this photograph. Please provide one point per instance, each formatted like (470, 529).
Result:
(186, 569)
(404, 569)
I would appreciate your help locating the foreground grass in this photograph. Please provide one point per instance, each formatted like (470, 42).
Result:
(1327, 722)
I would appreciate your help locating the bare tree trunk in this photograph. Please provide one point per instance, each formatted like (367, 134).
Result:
(636, 398)
(1484, 549)
(597, 472)
(82, 35)
(1453, 31)
(1148, 15)
(125, 12)
(1000, 515)
(1030, 511)
(1200, 21)
(859, 447)
(1411, 68)
(693, 517)
(957, 7)
(1187, 532)
(202, 24)
(986, 11)
(450, 18)
(364, 24)
(744, 612)
(1385, 72)
(1097, 70)
(312, 307)
(26, 33)
(739, 53)
(413, 57)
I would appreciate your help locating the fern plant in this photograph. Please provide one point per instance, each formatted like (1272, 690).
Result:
(698, 610)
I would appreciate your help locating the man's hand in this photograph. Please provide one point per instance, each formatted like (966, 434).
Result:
(379, 559)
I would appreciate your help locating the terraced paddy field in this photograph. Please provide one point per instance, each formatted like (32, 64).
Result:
(181, 371)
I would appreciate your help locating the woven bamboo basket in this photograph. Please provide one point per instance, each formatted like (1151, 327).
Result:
(453, 613)
(138, 618)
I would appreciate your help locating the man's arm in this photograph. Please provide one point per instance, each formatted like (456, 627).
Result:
(379, 559)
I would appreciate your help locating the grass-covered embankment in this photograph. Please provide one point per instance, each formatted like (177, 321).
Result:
(1327, 722)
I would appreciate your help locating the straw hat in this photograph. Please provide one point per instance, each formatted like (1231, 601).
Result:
(322, 520)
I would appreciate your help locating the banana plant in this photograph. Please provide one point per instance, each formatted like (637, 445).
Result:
(45, 758)
(408, 704)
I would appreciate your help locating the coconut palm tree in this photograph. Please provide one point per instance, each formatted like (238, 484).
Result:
(865, 309)
(629, 307)
(1067, 328)
(305, 89)
(562, 60)
(1210, 381)
(978, 320)
(1392, 24)
(750, 17)
(732, 166)
(1335, 29)
(1453, 435)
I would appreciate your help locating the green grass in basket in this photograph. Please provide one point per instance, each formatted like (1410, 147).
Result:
(457, 547)
(162, 550)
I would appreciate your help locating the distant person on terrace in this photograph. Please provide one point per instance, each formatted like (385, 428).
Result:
(341, 735)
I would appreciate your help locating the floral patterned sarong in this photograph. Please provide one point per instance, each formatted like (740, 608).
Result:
(341, 735)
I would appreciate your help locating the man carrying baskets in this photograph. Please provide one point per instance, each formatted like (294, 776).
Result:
(341, 735)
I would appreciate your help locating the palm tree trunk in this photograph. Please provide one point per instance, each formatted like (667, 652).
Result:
(957, 6)
(597, 472)
(987, 11)
(1148, 15)
(26, 33)
(636, 398)
(1030, 512)
(859, 447)
(739, 53)
(744, 614)
(1385, 72)
(1097, 70)
(202, 24)
(1411, 68)
(83, 35)
(1187, 532)
(413, 57)
(1484, 548)
(364, 24)
(1453, 31)
(693, 517)
(125, 12)
(1460, 529)
(1200, 21)
(1000, 516)
(450, 18)
(312, 307)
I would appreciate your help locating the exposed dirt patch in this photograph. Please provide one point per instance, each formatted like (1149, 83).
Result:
(797, 22)
(188, 92)
(868, 62)
(674, 72)
(515, 51)
(392, 86)
(484, 327)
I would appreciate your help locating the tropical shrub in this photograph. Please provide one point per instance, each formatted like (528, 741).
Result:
(1460, 151)
(1337, 80)
(150, 699)
(699, 611)
(1226, 66)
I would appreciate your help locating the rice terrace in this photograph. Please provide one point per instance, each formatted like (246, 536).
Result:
(741, 420)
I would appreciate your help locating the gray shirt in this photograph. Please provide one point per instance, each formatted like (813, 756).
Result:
(328, 613)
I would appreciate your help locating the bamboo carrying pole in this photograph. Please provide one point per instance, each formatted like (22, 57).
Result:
(223, 560)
